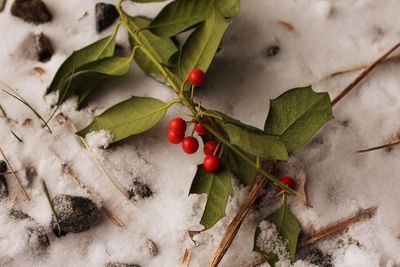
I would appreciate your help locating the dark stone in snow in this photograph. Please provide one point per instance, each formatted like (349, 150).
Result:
(117, 264)
(3, 166)
(106, 14)
(30, 174)
(18, 215)
(319, 258)
(3, 187)
(34, 11)
(37, 237)
(75, 214)
(272, 51)
(44, 48)
(139, 191)
(37, 234)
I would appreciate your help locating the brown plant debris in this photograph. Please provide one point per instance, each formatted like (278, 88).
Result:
(289, 27)
(336, 227)
(187, 256)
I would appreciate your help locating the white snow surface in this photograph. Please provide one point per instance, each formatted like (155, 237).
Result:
(328, 36)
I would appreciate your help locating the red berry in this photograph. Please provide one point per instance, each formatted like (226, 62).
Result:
(211, 163)
(200, 129)
(209, 147)
(289, 182)
(197, 77)
(190, 144)
(175, 138)
(177, 125)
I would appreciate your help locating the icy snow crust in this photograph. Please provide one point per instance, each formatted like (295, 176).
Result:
(329, 36)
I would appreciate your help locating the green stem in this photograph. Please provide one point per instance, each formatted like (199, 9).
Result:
(135, 36)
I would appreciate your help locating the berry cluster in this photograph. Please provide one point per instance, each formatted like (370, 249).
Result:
(176, 135)
(177, 129)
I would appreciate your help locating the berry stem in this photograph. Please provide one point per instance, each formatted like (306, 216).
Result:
(192, 92)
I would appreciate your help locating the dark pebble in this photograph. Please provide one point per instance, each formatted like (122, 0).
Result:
(318, 257)
(34, 11)
(44, 48)
(30, 174)
(272, 51)
(106, 14)
(75, 214)
(139, 191)
(3, 166)
(3, 187)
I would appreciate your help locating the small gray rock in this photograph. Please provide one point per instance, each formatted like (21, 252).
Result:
(139, 191)
(44, 47)
(76, 214)
(272, 50)
(3, 166)
(118, 264)
(34, 11)
(106, 14)
(30, 174)
(3, 187)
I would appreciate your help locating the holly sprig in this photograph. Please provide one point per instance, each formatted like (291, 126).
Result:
(239, 149)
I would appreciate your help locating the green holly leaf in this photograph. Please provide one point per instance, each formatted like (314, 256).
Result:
(240, 168)
(101, 49)
(84, 79)
(180, 15)
(217, 186)
(260, 145)
(297, 115)
(163, 49)
(228, 8)
(200, 47)
(250, 139)
(130, 117)
(285, 240)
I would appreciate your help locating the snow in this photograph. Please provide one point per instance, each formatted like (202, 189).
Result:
(269, 241)
(99, 139)
(328, 36)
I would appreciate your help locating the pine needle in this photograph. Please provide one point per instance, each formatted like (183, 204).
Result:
(96, 161)
(364, 74)
(23, 101)
(2, 112)
(337, 227)
(378, 147)
(16, 136)
(46, 192)
(117, 221)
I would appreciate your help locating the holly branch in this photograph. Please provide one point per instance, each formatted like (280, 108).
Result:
(232, 148)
